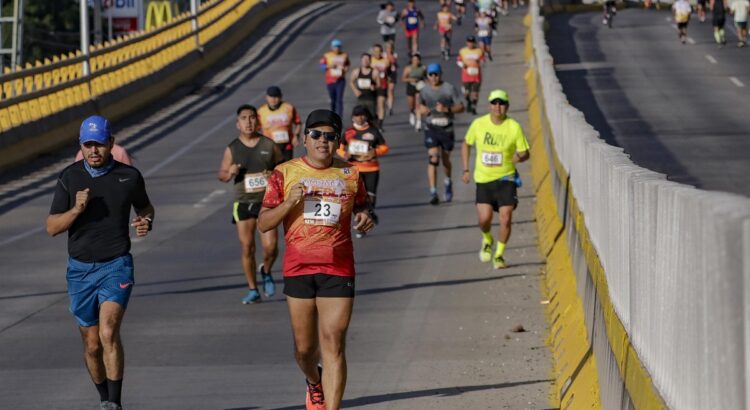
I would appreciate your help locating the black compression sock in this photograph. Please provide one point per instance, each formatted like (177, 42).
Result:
(115, 390)
(102, 389)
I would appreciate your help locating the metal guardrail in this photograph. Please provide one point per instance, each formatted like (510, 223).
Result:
(53, 85)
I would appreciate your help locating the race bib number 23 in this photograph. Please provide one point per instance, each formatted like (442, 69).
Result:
(322, 211)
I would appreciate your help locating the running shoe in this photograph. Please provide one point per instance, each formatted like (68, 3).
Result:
(253, 296)
(485, 253)
(498, 262)
(412, 119)
(434, 200)
(108, 405)
(449, 192)
(269, 287)
(418, 126)
(314, 399)
(359, 235)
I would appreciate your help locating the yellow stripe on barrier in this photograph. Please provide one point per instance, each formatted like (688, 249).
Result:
(565, 312)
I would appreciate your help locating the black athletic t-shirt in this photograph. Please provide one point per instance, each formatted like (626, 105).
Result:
(102, 231)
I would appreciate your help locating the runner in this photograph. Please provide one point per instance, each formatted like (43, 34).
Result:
(483, 27)
(387, 18)
(739, 10)
(279, 120)
(681, 11)
(335, 63)
(413, 22)
(701, 8)
(363, 81)
(500, 145)
(382, 64)
(470, 59)
(315, 197)
(444, 26)
(92, 203)
(393, 59)
(438, 102)
(248, 161)
(460, 10)
(362, 145)
(118, 153)
(718, 9)
(414, 76)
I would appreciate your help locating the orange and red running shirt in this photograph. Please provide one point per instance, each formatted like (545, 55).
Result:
(318, 230)
(360, 140)
(471, 58)
(336, 64)
(278, 124)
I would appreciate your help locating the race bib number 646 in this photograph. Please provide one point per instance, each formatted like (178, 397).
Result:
(492, 159)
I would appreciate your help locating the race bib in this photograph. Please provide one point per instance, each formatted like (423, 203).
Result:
(364, 83)
(412, 21)
(390, 20)
(358, 147)
(472, 70)
(440, 121)
(492, 159)
(323, 211)
(280, 137)
(336, 72)
(255, 183)
(483, 33)
(419, 86)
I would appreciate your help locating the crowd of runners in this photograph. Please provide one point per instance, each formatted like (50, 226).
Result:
(319, 197)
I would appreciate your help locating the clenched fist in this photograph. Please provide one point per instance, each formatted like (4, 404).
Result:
(82, 199)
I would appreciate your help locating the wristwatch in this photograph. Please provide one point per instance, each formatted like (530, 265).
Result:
(150, 223)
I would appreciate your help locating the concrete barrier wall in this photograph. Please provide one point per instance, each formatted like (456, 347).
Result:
(661, 270)
(231, 25)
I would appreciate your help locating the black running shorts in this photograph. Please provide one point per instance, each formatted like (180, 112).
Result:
(437, 138)
(498, 194)
(319, 285)
(242, 211)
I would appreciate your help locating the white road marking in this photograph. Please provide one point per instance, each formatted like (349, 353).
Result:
(737, 82)
(208, 198)
(711, 59)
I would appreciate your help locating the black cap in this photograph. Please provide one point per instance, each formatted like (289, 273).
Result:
(471, 39)
(324, 117)
(273, 91)
(360, 110)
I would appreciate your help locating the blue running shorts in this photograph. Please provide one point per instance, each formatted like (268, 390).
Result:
(91, 284)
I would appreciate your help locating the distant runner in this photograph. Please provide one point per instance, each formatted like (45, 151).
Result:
(470, 59)
(718, 9)
(500, 145)
(739, 10)
(444, 26)
(364, 81)
(681, 11)
(335, 63)
(247, 162)
(317, 198)
(279, 121)
(415, 75)
(413, 22)
(383, 65)
(387, 18)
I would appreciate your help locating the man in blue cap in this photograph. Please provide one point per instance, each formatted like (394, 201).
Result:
(335, 63)
(438, 103)
(92, 203)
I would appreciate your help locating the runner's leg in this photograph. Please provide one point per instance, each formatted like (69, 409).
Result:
(332, 95)
(269, 241)
(434, 155)
(92, 353)
(246, 234)
(506, 217)
(113, 355)
(304, 320)
(333, 322)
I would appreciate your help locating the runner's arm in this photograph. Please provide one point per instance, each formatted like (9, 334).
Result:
(228, 171)
(353, 82)
(61, 214)
(277, 159)
(405, 74)
(275, 206)
(521, 156)
(465, 155)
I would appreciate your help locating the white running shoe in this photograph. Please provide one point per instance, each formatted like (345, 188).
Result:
(412, 119)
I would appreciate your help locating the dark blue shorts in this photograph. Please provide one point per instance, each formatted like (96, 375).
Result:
(438, 138)
(485, 40)
(91, 284)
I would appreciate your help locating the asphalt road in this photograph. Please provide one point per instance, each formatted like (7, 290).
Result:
(676, 109)
(431, 327)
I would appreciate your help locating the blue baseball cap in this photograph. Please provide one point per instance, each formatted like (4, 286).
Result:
(336, 43)
(95, 128)
(434, 68)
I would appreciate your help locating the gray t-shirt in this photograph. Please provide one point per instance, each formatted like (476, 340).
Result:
(387, 20)
(448, 95)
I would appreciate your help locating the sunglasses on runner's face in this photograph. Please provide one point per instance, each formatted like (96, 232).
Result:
(330, 136)
(498, 102)
(433, 75)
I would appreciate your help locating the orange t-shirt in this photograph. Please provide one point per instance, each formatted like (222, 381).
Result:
(383, 65)
(318, 230)
(278, 124)
(335, 65)
(444, 21)
(471, 59)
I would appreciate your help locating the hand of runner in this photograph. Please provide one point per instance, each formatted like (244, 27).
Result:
(141, 225)
(296, 194)
(363, 222)
(466, 177)
(82, 199)
(370, 155)
(439, 107)
(234, 169)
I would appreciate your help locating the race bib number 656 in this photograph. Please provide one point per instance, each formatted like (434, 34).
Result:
(322, 211)
(255, 183)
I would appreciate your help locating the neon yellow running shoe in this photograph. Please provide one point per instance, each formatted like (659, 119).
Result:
(498, 262)
(485, 253)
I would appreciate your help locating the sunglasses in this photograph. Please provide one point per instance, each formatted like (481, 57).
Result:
(498, 102)
(330, 136)
(433, 74)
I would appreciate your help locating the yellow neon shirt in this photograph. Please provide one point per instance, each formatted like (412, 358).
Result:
(495, 146)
